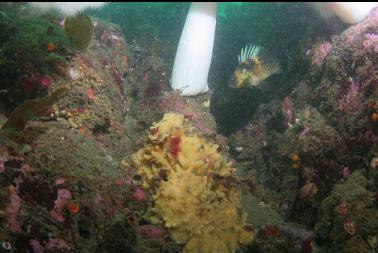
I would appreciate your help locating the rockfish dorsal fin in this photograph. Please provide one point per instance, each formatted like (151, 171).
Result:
(249, 52)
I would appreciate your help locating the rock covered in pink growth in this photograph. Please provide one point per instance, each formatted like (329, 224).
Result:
(308, 190)
(97, 199)
(371, 136)
(200, 125)
(150, 231)
(34, 82)
(346, 172)
(128, 180)
(350, 98)
(12, 210)
(3, 159)
(368, 24)
(118, 80)
(172, 102)
(59, 181)
(146, 77)
(63, 197)
(29, 83)
(45, 82)
(37, 247)
(287, 108)
(57, 245)
(320, 52)
(139, 194)
(371, 42)
(25, 168)
(303, 134)
(80, 109)
(61, 23)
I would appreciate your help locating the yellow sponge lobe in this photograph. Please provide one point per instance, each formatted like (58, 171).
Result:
(196, 195)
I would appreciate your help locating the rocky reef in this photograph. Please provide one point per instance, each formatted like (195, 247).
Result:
(311, 152)
(100, 155)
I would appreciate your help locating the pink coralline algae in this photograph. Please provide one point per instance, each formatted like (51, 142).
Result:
(90, 94)
(371, 136)
(125, 181)
(150, 231)
(57, 245)
(371, 42)
(256, 128)
(304, 133)
(37, 247)
(35, 82)
(29, 83)
(45, 82)
(59, 181)
(346, 172)
(354, 32)
(97, 199)
(5, 156)
(118, 80)
(350, 99)
(62, 199)
(199, 123)
(26, 168)
(308, 190)
(287, 108)
(320, 52)
(80, 109)
(12, 210)
(172, 102)
(139, 194)
(61, 22)
(112, 38)
(3, 159)
(83, 59)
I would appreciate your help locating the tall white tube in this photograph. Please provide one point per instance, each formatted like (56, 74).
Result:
(195, 49)
(67, 8)
(349, 12)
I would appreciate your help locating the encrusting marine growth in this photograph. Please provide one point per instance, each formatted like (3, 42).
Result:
(196, 196)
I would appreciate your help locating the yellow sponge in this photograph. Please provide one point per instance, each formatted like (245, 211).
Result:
(197, 200)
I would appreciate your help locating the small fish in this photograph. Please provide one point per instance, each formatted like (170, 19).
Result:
(254, 68)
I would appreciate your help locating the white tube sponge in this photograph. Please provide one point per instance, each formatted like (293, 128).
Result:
(349, 12)
(352, 12)
(195, 49)
(67, 8)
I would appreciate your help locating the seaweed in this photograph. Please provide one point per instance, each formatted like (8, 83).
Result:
(80, 30)
(31, 109)
(24, 51)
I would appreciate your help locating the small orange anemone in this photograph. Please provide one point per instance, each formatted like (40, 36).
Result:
(343, 208)
(350, 228)
(372, 104)
(51, 47)
(295, 157)
(73, 208)
(272, 231)
(374, 117)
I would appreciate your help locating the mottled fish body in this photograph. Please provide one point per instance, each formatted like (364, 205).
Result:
(254, 68)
